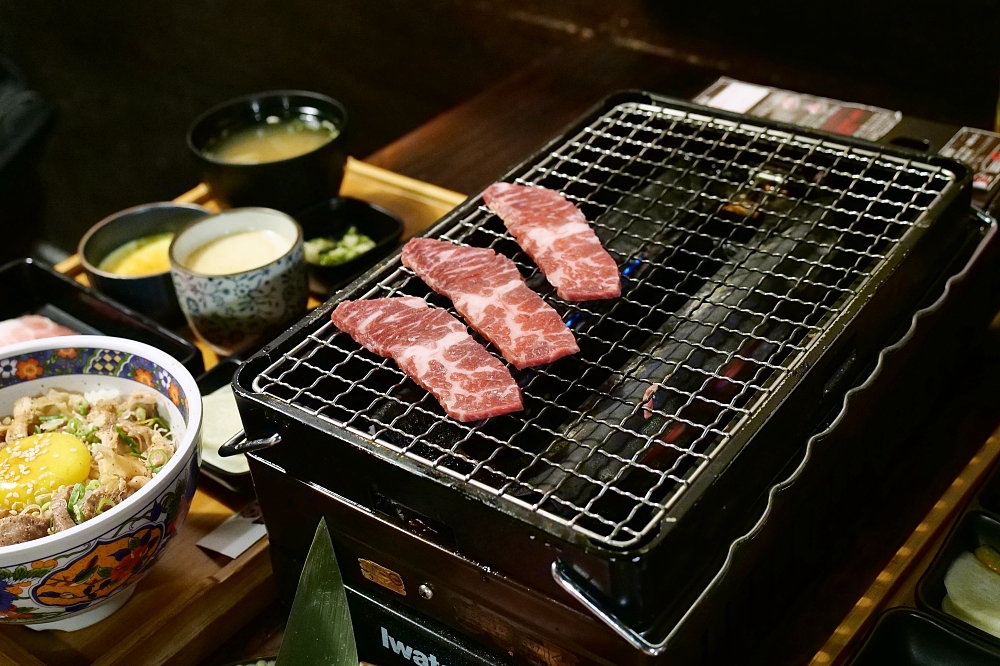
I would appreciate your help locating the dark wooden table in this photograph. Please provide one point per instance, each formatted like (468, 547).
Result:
(469, 147)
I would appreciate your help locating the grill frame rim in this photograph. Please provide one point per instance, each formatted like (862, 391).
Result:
(500, 500)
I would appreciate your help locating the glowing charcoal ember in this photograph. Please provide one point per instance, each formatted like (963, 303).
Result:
(491, 295)
(436, 351)
(557, 237)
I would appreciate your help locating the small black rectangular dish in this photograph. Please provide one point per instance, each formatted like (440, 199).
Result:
(974, 529)
(213, 380)
(33, 288)
(906, 637)
(331, 219)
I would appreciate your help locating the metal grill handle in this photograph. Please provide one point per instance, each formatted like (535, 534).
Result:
(237, 445)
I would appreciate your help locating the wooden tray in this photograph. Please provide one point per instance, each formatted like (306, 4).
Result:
(896, 583)
(193, 600)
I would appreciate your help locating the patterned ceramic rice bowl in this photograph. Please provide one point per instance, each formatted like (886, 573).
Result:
(77, 577)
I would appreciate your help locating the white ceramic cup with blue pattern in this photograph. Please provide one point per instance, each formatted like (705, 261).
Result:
(240, 310)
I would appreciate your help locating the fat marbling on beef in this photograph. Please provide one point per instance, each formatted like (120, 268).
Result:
(489, 292)
(556, 235)
(436, 351)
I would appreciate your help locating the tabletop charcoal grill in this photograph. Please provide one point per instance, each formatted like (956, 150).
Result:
(763, 267)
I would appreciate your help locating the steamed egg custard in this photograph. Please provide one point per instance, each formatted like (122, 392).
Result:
(39, 464)
(238, 252)
(143, 256)
(67, 457)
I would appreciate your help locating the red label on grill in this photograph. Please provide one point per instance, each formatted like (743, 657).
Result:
(830, 115)
(980, 150)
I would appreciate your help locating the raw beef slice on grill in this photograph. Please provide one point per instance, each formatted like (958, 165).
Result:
(488, 290)
(555, 234)
(436, 351)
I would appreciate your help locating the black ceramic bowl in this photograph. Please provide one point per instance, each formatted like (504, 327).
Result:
(906, 637)
(288, 185)
(331, 219)
(152, 295)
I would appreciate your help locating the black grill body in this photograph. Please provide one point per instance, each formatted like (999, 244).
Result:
(480, 511)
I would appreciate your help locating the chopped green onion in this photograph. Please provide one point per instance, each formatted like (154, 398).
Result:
(133, 447)
(74, 502)
(158, 422)
(93, 484)
(140, 413)
(330, 252)
(102, 504)
(163, 455)
(83, 407)
(51, 425)
(36, 431)
(157, 463)
(51, 418)
(75, 427)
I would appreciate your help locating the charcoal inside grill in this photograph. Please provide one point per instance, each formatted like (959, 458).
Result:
(672, 401)
(736, 244)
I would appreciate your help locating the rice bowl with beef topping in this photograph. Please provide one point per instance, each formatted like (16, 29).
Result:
(66, 457)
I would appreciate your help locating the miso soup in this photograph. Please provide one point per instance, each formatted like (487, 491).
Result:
(277, 139)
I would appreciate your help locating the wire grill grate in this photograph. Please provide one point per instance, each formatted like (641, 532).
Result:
(738, 244)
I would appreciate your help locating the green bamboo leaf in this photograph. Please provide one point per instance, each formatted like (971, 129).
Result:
(319, 630)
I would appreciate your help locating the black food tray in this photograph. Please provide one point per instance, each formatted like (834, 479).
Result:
(979, 525)
(30, 287)
(906, 637)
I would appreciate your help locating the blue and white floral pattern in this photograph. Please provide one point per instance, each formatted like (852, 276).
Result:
(90, 573)
(89, 361)
(231, 311)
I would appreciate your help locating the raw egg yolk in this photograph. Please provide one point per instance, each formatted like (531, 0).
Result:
(39, 464)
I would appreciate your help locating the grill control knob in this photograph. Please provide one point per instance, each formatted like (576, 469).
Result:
(426, 591)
